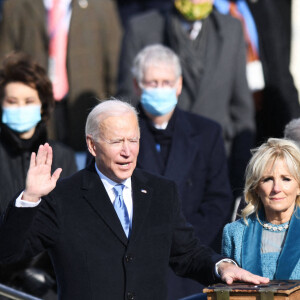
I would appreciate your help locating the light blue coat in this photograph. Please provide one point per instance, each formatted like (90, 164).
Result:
(242, 243)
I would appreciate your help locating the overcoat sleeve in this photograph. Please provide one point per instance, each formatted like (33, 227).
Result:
(188, 257)
(25, 232)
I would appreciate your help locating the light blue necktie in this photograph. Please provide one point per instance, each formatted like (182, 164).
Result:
(121, 209)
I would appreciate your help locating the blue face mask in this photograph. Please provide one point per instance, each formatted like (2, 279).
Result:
(21, 119)
(158, 101)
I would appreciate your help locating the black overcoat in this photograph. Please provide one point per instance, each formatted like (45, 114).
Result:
(91, 255)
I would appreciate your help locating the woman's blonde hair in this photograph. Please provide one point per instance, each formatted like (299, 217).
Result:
(269, 152)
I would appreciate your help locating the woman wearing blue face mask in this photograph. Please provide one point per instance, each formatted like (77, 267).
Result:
(26, 103)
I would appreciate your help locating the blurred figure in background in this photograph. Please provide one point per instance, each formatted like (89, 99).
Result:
(183, 147)
(130, 8)
(1, 3)
(267, 33)
(26, 100)
(77, 41)
(292, 131)
(295, 43)
(211, 48)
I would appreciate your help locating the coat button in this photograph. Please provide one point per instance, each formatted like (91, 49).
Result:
(130, 296)
(128, 258)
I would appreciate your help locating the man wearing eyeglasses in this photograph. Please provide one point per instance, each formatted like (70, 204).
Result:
(183, 147)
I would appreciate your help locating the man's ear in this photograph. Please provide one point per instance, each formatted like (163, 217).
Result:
(91, 145)
(179, 86)
(137, 88)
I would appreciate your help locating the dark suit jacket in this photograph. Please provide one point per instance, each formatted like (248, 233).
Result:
(197, 163)
(93, 51)
(91, 255)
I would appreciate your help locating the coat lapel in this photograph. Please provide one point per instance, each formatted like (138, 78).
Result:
(291, 250)
(38, 11)
(251, 254)
(183, 149)
(215, 44)
(148, 158)
(96, 195)
(141, 197)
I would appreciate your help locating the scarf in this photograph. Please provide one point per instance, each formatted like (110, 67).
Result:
(191, 52)
(290, 253)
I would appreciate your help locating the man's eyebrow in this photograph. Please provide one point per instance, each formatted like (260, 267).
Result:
(114, 140)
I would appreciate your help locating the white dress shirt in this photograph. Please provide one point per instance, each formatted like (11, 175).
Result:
(68, 9)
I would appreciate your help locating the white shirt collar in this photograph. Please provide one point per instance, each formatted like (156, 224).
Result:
(161, 126)
(48, 3)
(108, 183)
(127, 191)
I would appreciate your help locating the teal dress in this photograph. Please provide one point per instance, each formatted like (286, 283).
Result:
(261, 252)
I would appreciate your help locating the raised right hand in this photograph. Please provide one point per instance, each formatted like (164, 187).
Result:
(39, 181)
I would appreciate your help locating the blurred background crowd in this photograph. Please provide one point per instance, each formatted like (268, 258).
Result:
(211, 80)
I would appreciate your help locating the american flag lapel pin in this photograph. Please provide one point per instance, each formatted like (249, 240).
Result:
(143, 191)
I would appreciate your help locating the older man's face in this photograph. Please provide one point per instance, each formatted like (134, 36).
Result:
(117, 148)
(162, 76)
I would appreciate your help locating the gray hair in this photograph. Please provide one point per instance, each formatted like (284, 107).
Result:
(105, 109)
(155, 55)
(292, 131)
(269, 152)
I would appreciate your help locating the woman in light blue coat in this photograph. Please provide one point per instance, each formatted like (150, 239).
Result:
(266, 240)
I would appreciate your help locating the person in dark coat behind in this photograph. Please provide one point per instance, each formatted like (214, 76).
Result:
(26, 103)
(211, 48)
(267, 32)
(183, 147)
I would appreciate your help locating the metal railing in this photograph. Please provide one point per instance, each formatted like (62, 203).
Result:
(15, 294)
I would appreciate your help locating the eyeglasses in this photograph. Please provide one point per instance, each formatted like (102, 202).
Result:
(158, 84)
